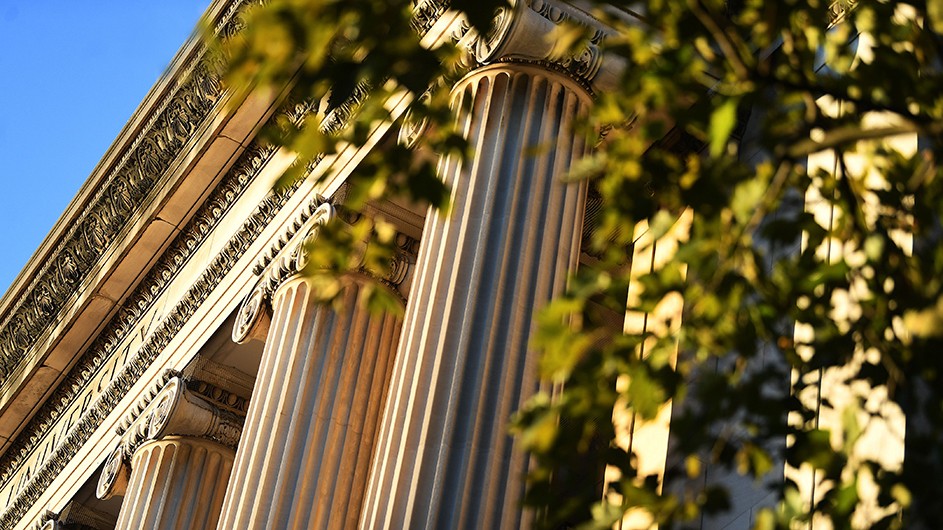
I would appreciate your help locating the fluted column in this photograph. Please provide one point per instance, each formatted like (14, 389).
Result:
(444, 457)
(179, 473)
(312, 419)
(176, 482)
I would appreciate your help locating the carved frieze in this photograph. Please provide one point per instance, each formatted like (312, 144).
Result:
(426, 13)
(131, 182)
(76, 392)
(126, 321)
(110, 366)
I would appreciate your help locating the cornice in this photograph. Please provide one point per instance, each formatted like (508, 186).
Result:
(159, 277)
(136, 305)
(183, 248)
(103, 210)
(129, 177)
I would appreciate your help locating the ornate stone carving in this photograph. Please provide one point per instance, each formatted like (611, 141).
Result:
(253, 319)
(525, 32)
(179, 411)
(251, 322)
(181, 407)
(124, 323)
(288, 256)
(70, 268)
(838, 9)
(75, 516)
(130, 182)
(426, 13)
(44, 521)
(411, 128)
(114, 478)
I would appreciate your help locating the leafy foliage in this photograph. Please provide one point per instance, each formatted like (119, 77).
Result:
(784, 135)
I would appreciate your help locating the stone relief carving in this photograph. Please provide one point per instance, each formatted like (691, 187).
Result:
(526, 32)
(182, 412)
(75, 516)
(252, 319)
(70, 267)
(182, 407)
(116, 473)
(288, 257)
(123, 323)
(426, 13)
(130, 182)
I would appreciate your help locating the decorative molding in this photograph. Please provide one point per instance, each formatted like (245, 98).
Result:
(123, 324)
(253, 317)
(526, 31)
(426, 14)
(288, 256)
(181, 412)
(838, 9)
(218, 396)
(140, 301)
(135, 308)
(144, 402)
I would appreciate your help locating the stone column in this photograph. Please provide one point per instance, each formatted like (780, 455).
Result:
(444, 457)
(176, 482)
(312, 418)
(179, 474)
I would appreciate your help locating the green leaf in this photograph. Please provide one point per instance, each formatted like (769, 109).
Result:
(935, 12)
(723, 120)
(746, 198)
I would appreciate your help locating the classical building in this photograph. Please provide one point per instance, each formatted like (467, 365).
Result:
(164, 365)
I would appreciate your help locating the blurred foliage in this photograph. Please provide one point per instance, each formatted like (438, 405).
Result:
(727, 111)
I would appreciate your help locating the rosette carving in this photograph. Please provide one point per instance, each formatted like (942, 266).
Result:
(114, 478)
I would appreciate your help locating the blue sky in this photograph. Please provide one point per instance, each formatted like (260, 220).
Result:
(71, 74)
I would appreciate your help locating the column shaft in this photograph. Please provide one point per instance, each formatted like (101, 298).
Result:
(311, 425)
(176, 483)
(444, 457)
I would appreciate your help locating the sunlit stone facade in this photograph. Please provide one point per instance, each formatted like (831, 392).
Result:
(165, 365)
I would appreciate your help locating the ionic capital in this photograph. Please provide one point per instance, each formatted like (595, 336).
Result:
(113, 481)
(288, 258)
(529, 31)
(181, 412)
(285, 258)
(174, 411)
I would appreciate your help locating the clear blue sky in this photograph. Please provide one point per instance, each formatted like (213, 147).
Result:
(71, 74)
